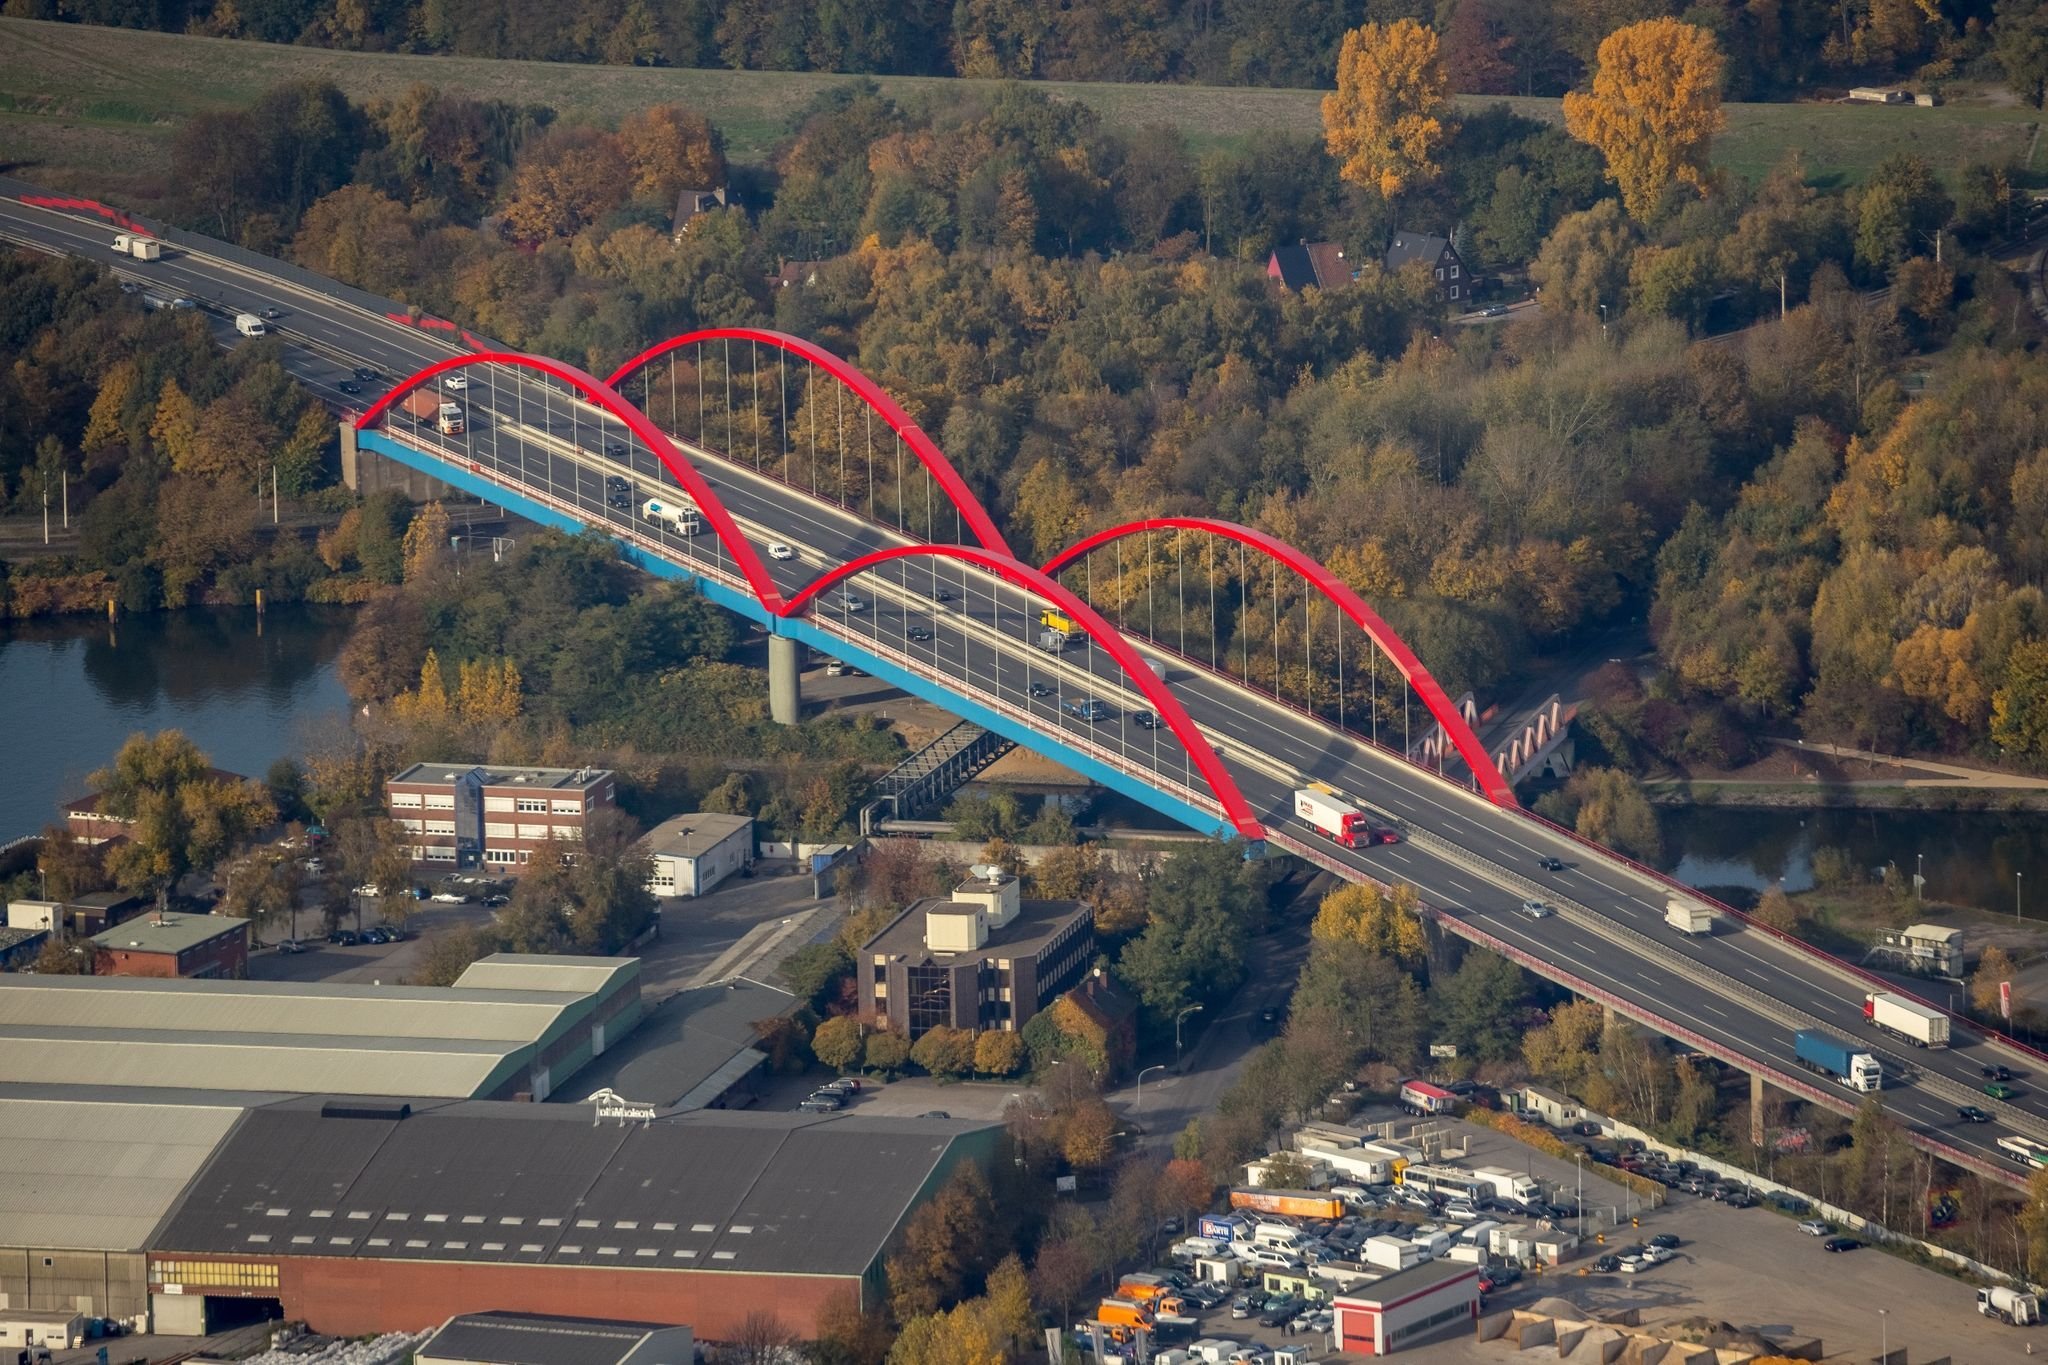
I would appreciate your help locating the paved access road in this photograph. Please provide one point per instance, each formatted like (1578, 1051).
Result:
(1741, 994)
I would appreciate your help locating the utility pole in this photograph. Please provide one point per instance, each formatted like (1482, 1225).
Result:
(46, 508)
(273, 495)
(64, 475)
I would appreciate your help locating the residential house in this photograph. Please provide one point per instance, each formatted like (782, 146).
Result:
(1317, 265)
(795, 273)
(1437, 253)
(690, 203)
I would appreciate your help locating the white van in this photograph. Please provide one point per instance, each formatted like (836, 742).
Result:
(1276, 1235)
(1273, 1258)
(249, 325)
(677, 516)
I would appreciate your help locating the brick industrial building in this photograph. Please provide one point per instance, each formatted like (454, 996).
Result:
(174, 945)
(983, 959)
(412, 1214)
(467, 817)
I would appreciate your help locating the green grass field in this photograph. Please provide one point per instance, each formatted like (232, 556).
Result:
(85, 107)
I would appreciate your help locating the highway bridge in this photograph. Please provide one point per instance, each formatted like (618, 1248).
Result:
(894, 566)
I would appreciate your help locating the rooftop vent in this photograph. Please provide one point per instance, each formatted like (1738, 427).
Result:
(359, 1109)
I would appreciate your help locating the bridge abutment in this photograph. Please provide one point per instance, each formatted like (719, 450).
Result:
(785, 680)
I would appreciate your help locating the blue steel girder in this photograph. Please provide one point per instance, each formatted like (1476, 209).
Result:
(987, 713)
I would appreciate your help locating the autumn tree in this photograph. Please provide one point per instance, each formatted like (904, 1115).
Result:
(2034, 1224)
(1385, 922)
(998, 1052)
(1606, 806)
(886, 1051)
(1995, 967)
(1776, 910)
(2019, 709)
(1653, 110)
(944, 1052)
(1585, 260)
(1384, 123)
(182, 816)
(838, 1042)
(426, 548)
(670, 149)
(948, 1245)
(568, 180)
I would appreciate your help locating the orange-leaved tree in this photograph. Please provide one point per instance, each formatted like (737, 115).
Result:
(1653, 110)
(1384, 120)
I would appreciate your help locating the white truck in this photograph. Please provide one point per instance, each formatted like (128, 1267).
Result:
(141, 247)
(1332, 816)
(1688, 915)
(1511, 1186)
(2009, 1306)
(249, 325)
(679, 517)
(1921, 1025)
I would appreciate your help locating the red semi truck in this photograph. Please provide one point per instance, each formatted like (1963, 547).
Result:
(1337, 819)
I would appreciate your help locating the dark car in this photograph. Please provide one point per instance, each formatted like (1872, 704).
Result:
(365, 373)
(940, 594)
(1743, 1199)
(1087, 708)
(1970, 1113)
(618, 492)
(1996, 1072)
(922, 634)
(1586, 1129)
(615, 449)
(273, 313)
(346, 938)
(1551, 864)
(1607, 1265)
(1039, 689)
(1668, 1241)
(496, 899)
(1840, 1244)
(1146, 720)
(349, 386)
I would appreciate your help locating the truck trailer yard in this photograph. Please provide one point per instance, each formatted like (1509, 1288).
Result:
(1751, 1268)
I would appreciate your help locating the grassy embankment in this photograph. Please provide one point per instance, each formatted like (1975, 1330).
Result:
(95, 108)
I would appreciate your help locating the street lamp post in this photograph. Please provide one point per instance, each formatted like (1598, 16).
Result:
(1919, 878)
(1139, 1101)
(1185, 1012)
(1884, 1327)
(2019, 881)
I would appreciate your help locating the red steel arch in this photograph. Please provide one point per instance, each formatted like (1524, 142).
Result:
(602, 394)
(927, 451)
(1352, 605)
(1014, 571)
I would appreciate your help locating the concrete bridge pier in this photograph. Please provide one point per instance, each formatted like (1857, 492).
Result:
(1756, 1109)
(785, 680)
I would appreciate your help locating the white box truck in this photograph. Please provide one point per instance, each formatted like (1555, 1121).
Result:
(1392, 1253)
(1688, 915)
(1511, 1186)
(1333, 817)
(142, 248)
(249, 325)
(1921, 1025)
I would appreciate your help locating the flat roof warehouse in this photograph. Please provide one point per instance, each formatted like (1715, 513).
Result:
(782, 1210)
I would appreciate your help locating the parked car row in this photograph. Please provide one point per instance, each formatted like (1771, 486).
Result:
(830, 1097)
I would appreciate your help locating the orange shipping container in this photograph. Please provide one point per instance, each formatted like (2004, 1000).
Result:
(1295, 1203)
(424, 404)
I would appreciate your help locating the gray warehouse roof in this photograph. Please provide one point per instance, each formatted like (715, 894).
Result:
(540, 1184)
(692, 1038)
(694, 835)
(535, 1339)
(291, 1037)
(80, 1173)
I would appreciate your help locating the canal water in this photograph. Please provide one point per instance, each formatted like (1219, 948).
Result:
(1968, 857)
(73, 688)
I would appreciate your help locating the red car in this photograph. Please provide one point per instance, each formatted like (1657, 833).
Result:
(1384, 834)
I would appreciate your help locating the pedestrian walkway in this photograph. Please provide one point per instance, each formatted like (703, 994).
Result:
(1947, 774)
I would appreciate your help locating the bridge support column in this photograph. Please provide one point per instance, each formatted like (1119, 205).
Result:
(785, 688)
(1756, 1109)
